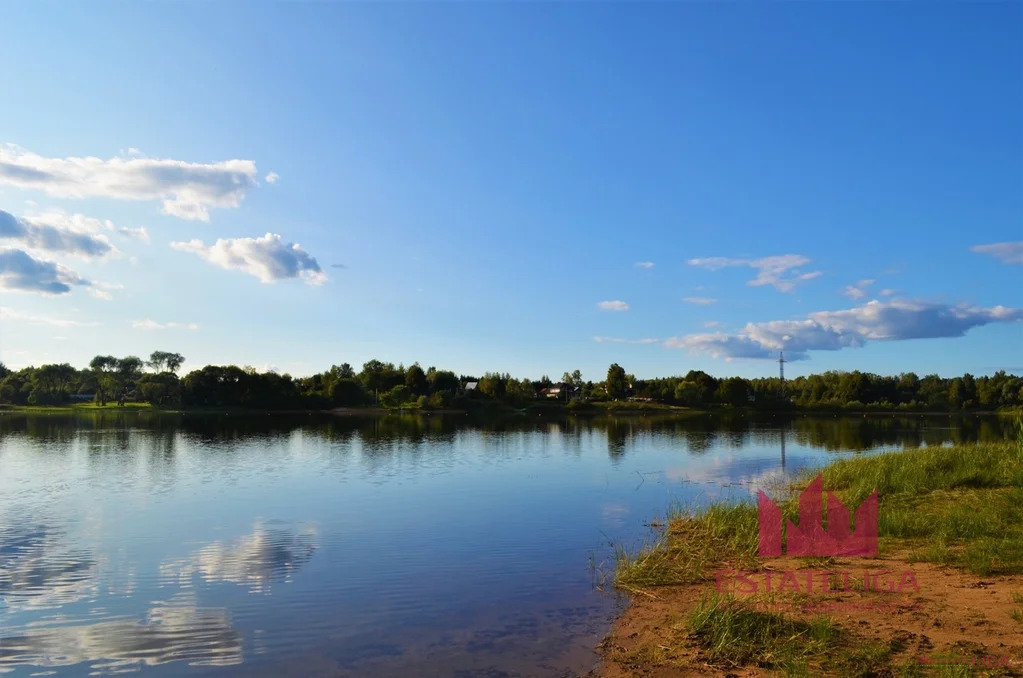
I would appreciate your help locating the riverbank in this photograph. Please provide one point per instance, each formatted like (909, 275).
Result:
(945, 588)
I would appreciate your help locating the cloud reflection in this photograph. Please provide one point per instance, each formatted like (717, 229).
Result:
(255, 560)
(174, 631)
(38, 570)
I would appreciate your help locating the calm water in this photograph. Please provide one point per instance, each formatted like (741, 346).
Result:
(397, 546)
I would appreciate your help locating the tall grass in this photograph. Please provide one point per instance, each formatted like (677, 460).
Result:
(695, 542)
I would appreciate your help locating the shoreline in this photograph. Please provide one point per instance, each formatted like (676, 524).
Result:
(950, 567)
(488, 408)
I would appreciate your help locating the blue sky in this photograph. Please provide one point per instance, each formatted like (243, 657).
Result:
(468, 184)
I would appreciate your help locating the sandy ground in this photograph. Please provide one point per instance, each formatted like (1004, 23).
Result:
(953, 611)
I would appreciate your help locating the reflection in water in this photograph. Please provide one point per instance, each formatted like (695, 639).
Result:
(176, 631)
(255, 560)
(455, 574)
(38, 570)
(783, 449)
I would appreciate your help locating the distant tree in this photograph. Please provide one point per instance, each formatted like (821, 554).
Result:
(164, 360)
(734, 391)
(442, 380)
(397, 396)
(415, 380)
(103, 367)
(347, 393)
(617, 384)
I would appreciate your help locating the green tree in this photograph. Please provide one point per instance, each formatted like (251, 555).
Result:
(164, 360)
(347, 393)
(616, 381)
(415, 380)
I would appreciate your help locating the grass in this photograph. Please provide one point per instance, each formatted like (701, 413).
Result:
(729, 635)
(695, 542)
(961, 506)
(736, 635)
(76, 407)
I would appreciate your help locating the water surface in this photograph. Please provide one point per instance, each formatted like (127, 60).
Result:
(393, 546)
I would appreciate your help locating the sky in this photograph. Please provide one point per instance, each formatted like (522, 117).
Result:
(528, 188)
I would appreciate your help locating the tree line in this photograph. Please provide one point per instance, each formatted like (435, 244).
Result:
(109, 379)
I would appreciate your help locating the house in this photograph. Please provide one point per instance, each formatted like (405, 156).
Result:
(563, 391)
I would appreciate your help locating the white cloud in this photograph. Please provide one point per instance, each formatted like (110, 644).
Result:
(149, 324)
(645, 264)
(613, 306)
(186, 189)
(770, 270)
(702, 301)
(616, 340)
(101, 290)
(79, 223)
(272, 177)
(859, 290)
(21, 271)
(712, 323)
(55, 235)
(833, 330)
(268, 258)
(888, 292)
(11, 314)
(1005, 252)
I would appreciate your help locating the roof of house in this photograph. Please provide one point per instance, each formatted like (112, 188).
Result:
(471, 385)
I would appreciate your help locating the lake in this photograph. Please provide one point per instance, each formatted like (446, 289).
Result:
(315, 545)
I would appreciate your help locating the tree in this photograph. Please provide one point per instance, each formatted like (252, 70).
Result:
(163, 360)
(415, 380)
(616, 381)
(442, 380)
(733, 391)
(347, 393)
(103, 367)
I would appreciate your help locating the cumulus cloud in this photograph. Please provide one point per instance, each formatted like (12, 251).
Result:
(781, 272)
(47, 236)
(149, 324)
(612, 306)
(645, 264)
(616, 340)
(187, 190)
(833, 330)
(702, 301)
(79, 223)
(859, 290)
(1005, 252)
(21, 271)
(268, 258)
(272, 177)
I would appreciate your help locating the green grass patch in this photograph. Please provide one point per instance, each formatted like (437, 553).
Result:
(694, 543)
(960, 506)
(736, 635)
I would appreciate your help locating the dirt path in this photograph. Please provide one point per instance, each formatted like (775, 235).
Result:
(951, 612)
